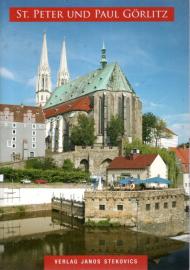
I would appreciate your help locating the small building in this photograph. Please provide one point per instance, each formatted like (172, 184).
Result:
(183, 157)
(22, 132)
(137, 165)
(171, 141)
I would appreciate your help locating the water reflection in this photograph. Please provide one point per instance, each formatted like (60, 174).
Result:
(26, 251)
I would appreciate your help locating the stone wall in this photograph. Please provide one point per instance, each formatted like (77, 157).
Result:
(135, 207)
(95, 159)
(14, 165)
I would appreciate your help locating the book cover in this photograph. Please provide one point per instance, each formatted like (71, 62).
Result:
(94, 135)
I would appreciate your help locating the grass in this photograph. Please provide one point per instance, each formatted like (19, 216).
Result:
(102, 223)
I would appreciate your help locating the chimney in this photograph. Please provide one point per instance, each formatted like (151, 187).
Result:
(134, 153)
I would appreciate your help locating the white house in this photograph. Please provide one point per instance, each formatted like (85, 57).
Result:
(137, 165)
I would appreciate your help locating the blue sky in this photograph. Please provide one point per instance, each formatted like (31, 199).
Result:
(154, 56)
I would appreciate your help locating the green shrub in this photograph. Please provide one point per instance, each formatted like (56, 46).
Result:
(41, 163)
(49, 175)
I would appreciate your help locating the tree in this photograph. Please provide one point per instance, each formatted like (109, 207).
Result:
(154, 128)
(115, 130)
(148, 124)
(83, 133)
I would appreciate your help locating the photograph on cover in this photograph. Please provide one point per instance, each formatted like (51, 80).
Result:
(94, 137)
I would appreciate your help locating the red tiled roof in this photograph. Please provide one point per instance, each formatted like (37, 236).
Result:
(141, 161)
(19, 111)
(183, 154)
(80, 104)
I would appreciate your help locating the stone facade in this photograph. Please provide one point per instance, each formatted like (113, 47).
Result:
(135, 207)
(94, 159)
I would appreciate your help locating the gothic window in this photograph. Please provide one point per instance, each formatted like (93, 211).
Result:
(43, 83)
(101, 116)
(120, 107)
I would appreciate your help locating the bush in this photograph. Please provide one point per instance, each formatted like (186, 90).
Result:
(41, 163)
(49, 175)
(68, 165)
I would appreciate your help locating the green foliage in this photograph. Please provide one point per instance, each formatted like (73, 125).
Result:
(167, 156)
(148, 124)
(160, 130)
(68, 165)
(153, 128)
(41, 163)
(101, 223)
(115, 130)
(50, 175)
(83, 133)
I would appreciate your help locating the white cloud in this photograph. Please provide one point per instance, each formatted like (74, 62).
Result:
(6, 73)
(180, 124)
(31, 81)
(149, 105)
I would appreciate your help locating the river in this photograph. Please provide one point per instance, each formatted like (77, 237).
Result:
(24, 240)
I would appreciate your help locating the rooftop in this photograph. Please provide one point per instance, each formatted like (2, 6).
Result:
(80, 104)
(141, 161)
(18, 112)
(183, 154)
(110, 78)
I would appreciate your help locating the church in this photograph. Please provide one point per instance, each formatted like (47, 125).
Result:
(100, 94)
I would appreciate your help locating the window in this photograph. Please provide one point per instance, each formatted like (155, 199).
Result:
(101, 116)
(33, 145)
(101, 207)
(14, 125)
(119, 207)
(33, 139)
(173, 204)
(9, 143)
(148, 207)
(119, 243)
(14, 139)
(102, 242)
(14, 131)
(165, 205)
(14, 145)
(157, 206)
(34, 126)
(31, 154)
(33, 133)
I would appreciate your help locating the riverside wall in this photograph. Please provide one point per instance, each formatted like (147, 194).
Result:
(132, 208)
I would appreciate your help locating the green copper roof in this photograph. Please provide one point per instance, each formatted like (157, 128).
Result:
(110, 78)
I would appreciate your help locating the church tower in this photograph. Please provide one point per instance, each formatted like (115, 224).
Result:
(63, 74)
(43, 83)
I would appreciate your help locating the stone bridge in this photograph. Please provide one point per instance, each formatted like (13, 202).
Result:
(93, 159)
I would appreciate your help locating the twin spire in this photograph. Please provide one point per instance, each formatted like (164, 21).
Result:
(43, 83)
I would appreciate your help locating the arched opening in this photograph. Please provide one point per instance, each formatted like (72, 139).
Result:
(105, 163)
(84, 165)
